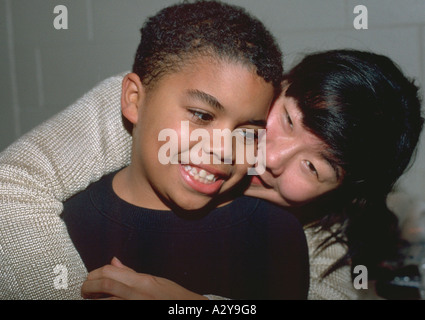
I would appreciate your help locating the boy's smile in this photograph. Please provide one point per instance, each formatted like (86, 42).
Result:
(206, 180)
(208, 94)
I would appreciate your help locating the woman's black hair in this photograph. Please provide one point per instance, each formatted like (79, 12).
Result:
(369, 115)
(220, 30)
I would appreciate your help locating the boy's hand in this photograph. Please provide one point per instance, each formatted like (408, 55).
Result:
(118, 282)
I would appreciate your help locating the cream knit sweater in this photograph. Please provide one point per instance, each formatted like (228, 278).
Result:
(60, 158)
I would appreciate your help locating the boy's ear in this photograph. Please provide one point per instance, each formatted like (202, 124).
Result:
(132, 95)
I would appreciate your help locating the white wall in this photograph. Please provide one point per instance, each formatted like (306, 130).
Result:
(42, 70)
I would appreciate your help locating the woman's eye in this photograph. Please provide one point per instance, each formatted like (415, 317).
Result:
(249, 135)
(311, 167)
(200, 116)
(288, 118)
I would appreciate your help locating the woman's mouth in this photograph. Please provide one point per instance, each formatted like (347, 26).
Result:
(257, 181)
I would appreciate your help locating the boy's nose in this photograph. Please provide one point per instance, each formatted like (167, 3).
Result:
(220, 147)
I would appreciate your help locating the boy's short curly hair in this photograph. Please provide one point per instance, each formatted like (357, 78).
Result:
(189, 30)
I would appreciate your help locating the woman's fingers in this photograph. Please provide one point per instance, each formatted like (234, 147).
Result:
(117, 263)
(104, 289)
(121, 274)
(116, 281)
(119, 281)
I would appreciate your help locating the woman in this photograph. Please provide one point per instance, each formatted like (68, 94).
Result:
(368, 115)
(337, 141)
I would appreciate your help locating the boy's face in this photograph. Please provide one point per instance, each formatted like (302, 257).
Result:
(204, 95)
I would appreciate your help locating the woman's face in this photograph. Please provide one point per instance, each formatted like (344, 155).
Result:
(297, 168)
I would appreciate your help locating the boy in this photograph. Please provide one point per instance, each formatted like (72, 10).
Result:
(212, 66)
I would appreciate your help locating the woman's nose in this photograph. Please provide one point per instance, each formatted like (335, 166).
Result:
(279, 153)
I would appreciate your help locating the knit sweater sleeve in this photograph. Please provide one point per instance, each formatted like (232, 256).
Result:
(41, 170)
(337, 285)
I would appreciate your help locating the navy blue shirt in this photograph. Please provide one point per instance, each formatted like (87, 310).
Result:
(248, 249)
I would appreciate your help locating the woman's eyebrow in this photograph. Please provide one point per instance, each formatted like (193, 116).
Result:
(333, 164)
(205, 97)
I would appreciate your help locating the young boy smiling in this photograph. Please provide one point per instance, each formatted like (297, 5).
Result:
(215, 67)
(210, 94)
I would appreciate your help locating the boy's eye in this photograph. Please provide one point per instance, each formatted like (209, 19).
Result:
(200, 116)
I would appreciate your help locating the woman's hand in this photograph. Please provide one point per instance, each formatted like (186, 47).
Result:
(118, 282)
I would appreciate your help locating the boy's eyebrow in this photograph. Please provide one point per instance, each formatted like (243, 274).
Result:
(205, 97)
(213, 102)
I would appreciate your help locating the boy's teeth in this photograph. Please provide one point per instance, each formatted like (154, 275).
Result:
(202, 173)
(201, 176)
